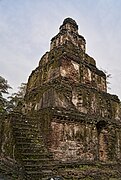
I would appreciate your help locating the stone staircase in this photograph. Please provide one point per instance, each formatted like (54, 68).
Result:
(10, 169)
(31, 149)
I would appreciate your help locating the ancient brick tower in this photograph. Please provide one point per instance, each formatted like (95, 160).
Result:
(69, 125)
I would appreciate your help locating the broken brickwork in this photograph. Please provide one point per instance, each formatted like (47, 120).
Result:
(69, 125)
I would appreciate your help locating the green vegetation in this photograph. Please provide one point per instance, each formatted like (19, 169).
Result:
(4, 87)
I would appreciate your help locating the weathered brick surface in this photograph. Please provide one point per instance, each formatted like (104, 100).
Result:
(69, 125)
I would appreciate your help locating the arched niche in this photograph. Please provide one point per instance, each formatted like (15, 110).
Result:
(100, 126)
(102, 133)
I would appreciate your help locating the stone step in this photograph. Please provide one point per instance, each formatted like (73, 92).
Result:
(25, 121)
(33, 172)
(34, 151)
(33, 168)
(23, 132)
(35, 175)
(35, 160)
(32, 147)
(43, 163)
(17, 127)
(26, 149)
(32, 165)
(29, 145)
(22, 124)
(27, 140)
(18, 132)
(39, 166)
(28, 137)
(35, 154)
(23, 142)
(23, 118)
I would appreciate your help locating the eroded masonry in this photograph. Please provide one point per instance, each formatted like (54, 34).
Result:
(69, 126)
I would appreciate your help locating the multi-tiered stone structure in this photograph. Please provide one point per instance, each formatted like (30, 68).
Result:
(69, 125)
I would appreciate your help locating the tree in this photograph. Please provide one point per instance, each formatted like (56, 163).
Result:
(4, 86)
(16, 99)
(108, 76)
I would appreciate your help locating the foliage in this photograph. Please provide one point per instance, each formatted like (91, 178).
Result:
(12, 102)
(16, 99)
(108, 76)
(4, 86)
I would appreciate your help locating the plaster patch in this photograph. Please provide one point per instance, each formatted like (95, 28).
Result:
(76, 65)
(63, 72)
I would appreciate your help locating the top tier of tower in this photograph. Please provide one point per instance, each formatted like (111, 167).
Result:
(68, 31)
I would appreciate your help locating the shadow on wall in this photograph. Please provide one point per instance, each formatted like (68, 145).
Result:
(100, 125)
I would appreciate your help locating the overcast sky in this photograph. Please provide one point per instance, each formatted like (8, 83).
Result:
(27, 26)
